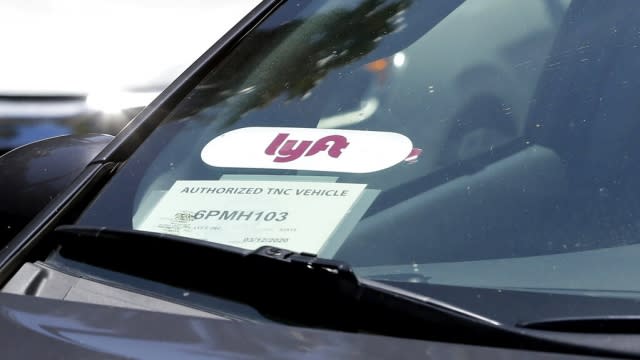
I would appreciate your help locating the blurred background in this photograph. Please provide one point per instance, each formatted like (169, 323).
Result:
(78, 66)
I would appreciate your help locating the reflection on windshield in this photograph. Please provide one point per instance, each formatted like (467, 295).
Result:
(300, 53)
(521, 116)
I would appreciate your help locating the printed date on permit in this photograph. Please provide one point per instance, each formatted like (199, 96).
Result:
(239, 215)
(265, 240)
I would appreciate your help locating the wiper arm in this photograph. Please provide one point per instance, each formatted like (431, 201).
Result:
(611, 324)
(275, 281)
(294, 288)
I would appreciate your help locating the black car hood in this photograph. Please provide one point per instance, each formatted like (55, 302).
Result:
(34, 328)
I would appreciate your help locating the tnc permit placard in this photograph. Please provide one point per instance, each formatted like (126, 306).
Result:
(298, 216)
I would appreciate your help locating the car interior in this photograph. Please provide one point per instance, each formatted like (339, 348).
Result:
(556, 208)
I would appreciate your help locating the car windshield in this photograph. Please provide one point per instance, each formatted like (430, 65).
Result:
(478, 143)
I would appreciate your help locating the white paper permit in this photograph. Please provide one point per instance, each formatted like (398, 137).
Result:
(298, 216)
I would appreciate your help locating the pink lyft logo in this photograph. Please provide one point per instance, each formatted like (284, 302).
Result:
(289, 150)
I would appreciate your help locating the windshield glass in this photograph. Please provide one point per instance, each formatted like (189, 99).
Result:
(480, 143)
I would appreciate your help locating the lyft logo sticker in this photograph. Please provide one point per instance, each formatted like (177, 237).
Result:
(288, 150)
(334, 150)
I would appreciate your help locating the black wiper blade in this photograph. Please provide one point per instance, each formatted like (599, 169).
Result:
(610, 324)
(295, 288)
(269, 278)
(259, 278)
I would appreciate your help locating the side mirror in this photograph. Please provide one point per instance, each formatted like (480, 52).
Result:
(33, 174)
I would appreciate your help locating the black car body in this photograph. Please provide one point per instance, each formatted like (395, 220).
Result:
(333, 178)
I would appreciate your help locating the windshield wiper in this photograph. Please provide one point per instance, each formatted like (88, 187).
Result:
(610, 324)
(295, 288)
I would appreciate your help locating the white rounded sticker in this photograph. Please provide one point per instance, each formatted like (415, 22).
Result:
(350, 151)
